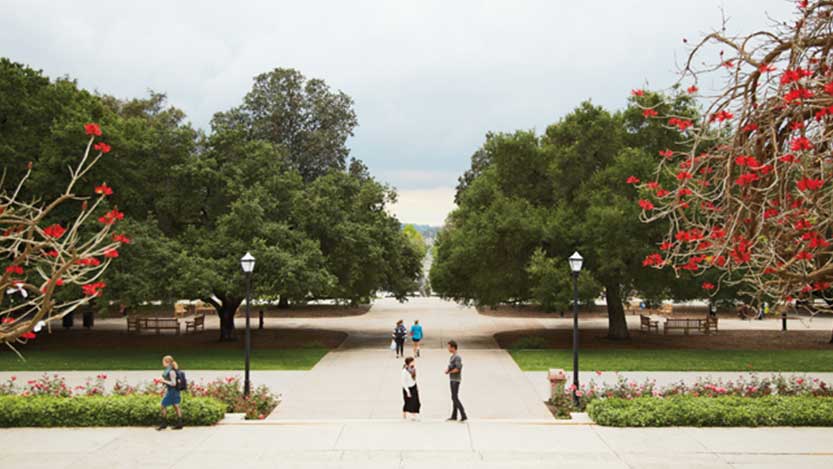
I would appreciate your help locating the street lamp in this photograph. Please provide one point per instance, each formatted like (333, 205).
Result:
(247, 262)
(575, 266)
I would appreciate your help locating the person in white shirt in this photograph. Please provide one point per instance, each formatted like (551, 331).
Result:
(410, 393)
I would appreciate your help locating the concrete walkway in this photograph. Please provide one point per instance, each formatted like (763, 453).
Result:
(372, 445)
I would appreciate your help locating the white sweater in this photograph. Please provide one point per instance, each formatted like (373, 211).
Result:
(408, 381)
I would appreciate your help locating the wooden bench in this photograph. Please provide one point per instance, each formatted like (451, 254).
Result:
(198, 322)
(160, 324)
(133, 325)
(684, 325)
(710, 324)
(646, 324)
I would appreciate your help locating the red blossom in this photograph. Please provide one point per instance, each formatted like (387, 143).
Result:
(666, 246)
(111, 253)
(652, 185)
(797, 95)
(681, 124)
(111, 217)
(750, 127)
(800, 144)
(638, 92)
(51, 253)
(102, 147)
(684, 191)
(54, 231)
(646, 204)
(89, 262)
(15, 269)
(804, 256)
(93, 289)
(828, 88)
(667, 153)
(104, 189)
(632, 180)
(662, 192)
(721, 116)
(692, 89)
(708, 286)
(683, 175)
(652, 259)
(28, 335)
(808, 184)
(770, 212)
(650, 113)
(746, 179)
(92, 129)
(121, 238)
(788, 158)
(766, 68)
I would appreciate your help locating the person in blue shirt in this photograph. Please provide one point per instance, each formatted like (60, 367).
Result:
(416, 336)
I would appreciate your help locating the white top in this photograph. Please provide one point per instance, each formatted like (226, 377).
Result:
(408, 381)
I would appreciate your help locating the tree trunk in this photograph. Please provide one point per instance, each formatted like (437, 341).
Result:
(617, 326)
(283, 302)
(226, 311)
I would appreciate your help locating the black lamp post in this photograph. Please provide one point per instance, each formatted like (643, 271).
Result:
(575, 266)
(248, 264)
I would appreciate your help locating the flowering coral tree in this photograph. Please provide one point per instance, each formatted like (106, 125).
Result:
(750, 195)
(52, 264)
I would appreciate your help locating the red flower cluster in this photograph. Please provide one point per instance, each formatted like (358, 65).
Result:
(804, 256)
(746, 179)
(692, 89)
(653, 259)
(89, 262)
(104, 189)
(15, 269)
(788, 158)
(646, 204)
(111, 217)
(796, 95)
(808, 184)
(681, 124)
(93, 289)
(637, 92)
(800, 143)
(102, 147)
(750, 127)
(632, 180)
(792, 76)
(650, 113)
(111, 253)
(92, 129)
(667, 153)
(54, 231)
(721, 116)
(708, 286)
(121, 238)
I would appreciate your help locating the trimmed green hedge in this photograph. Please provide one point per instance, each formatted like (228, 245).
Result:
(725, 411)
(102, 411)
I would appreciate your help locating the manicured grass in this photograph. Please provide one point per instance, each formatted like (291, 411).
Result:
(678, 360)
(219, 359)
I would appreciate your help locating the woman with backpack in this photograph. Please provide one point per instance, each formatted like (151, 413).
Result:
(399, 333)
(172, 394)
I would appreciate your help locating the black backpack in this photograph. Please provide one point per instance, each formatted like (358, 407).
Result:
(181, 381)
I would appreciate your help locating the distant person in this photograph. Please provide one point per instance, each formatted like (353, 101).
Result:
(172, 395)
(399, 333)
(416, 336)
(410, 393)
(455, 375)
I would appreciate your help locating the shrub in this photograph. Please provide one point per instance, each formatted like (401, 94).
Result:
(101, 411)
(723, 411)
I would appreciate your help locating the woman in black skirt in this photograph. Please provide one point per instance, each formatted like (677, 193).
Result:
(410, 393)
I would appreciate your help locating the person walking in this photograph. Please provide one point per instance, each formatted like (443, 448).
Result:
(410, 392)
(399, 333)
(455, 375)
(172, 395)
(416, 336)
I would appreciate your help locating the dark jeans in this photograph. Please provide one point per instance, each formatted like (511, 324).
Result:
(400, 346)
(455, 401)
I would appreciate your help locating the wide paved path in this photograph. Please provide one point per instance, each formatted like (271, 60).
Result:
(389, 445)
(360, 380)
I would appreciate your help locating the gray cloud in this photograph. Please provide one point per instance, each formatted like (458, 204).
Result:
(429, 77)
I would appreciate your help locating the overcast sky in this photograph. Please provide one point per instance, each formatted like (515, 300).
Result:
(429, 78)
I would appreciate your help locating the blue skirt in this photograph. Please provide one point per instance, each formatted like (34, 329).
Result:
(172, 397)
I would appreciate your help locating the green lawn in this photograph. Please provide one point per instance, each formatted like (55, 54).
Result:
(99, 360)
(678, 360)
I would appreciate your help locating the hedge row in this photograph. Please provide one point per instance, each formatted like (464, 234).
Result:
(102, 411)
(726, 411)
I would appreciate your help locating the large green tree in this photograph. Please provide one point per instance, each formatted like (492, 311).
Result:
(529, 201)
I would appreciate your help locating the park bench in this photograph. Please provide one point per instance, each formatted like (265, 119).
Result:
(646, 324)
(159, 324)
(133, 325)
(198, 322)
(710, 324)
(685, 325)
